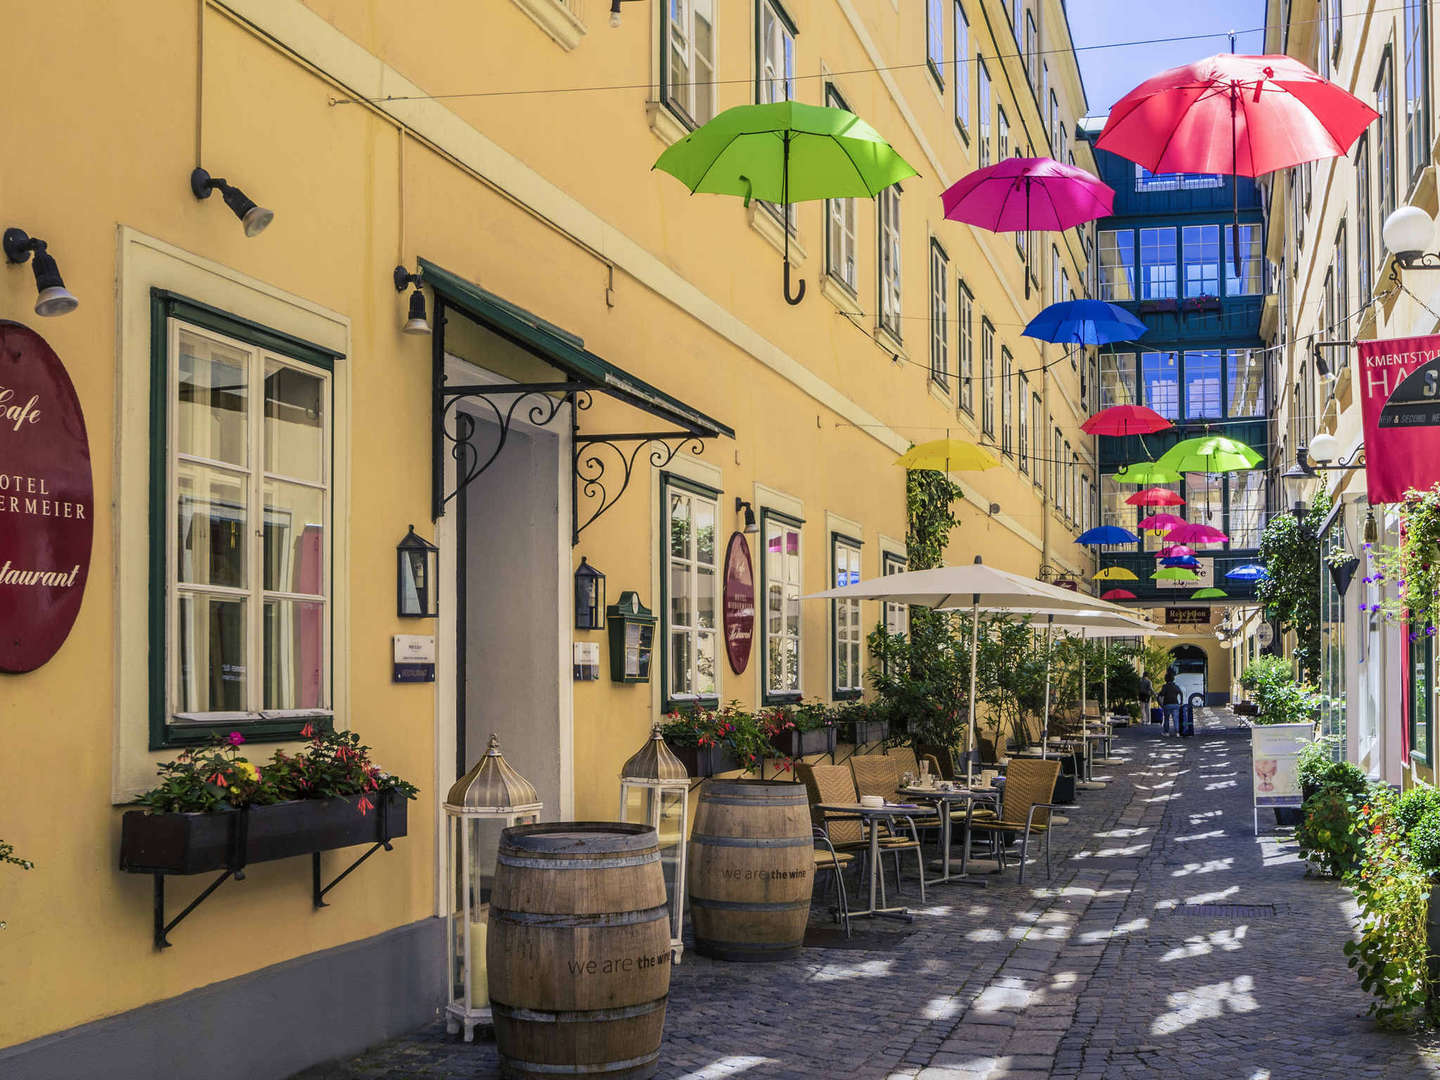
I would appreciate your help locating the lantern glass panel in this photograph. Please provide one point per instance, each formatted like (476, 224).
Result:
(639, 804)
(414, 582)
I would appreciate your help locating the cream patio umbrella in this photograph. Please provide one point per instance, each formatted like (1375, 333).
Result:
(979, 587)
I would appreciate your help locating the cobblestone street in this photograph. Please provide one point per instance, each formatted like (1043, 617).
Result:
(1170, 943)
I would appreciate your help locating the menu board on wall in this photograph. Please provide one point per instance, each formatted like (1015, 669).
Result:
(47, 501)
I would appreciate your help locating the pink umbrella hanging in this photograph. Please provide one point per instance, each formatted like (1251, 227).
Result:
(1025, 194)
(1196, 534)
(1158, 522)
(1174, 551)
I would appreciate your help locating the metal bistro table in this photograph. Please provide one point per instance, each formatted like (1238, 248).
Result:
(1091, 738)
(873, 816)
(970, 796)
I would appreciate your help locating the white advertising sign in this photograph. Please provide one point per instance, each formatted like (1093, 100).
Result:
(1273, 748)
(1204, 579)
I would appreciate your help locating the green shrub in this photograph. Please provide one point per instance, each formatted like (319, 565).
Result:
(1415, 804)
(1424, 840)
(1344, 775)
(1280, 698)
(1314, 758)
(1331, 838)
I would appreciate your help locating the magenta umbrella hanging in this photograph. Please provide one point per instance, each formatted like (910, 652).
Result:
(1159, 522)
(1174, 551)
(1195, 534)
(1027, 194)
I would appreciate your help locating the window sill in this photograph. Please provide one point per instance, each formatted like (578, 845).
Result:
(845, 695)
(789, 697)
(668, 127)
(676, 704)
(938, 392)
(891, 344)
(768, 225)
(839, 294)
(556, 19)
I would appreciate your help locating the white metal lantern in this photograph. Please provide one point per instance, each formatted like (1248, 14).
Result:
(655, 790)
(483, 804)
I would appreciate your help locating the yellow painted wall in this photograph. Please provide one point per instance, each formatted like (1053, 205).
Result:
(102, 100)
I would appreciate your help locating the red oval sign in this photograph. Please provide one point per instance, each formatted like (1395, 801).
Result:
(47, 501)
(739, 603)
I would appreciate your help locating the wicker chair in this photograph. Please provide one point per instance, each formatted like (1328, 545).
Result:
(827, 858)
(1029, 791)
(836, 784)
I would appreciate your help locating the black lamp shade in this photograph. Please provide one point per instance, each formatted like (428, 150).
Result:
(416, 579)
(589, 597)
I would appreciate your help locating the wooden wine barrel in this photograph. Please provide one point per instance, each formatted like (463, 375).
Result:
(751, 865)
(579, 950)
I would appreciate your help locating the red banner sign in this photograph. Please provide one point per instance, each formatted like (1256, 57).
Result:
(739, 603)
(1400, 402)
(47, 502)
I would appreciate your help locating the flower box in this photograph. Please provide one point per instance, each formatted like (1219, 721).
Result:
(863, 732)
(794, 744)
(194, 843)
(706, 760)
(1157, 307)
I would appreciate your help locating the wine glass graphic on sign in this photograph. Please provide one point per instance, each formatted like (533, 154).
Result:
(1265, 769)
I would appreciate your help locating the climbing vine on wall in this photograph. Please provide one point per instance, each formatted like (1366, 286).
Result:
(929, 499)
(1290, 550)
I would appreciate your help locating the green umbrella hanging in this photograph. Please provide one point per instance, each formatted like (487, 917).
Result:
(785, 153)
(1146, 472)
(1209, 454)
(1174, 573)
(1209, 594)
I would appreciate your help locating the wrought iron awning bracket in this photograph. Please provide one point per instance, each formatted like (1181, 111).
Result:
(590, 466)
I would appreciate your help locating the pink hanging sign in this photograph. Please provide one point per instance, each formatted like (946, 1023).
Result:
(47, 501)
(739, 602)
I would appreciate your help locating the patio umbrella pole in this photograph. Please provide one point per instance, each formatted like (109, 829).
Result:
(974, 653)
(1045, 716)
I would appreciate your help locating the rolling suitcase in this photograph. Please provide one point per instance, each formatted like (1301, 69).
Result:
(1157, 714)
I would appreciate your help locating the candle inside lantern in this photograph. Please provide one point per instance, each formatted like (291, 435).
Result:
(479, 980)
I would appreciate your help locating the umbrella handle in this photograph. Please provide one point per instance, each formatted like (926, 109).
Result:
(800, 293)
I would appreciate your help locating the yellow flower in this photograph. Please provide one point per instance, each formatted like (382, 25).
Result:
(234, 791)
(249, 770)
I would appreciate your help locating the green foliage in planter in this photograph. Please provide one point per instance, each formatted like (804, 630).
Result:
(732, 725)
(923, 678)
(1424, 840)
(1392, 890)
(1345, 776)
(1414, 566)
(1415, 804)
(1271, 684)
(1291, 591)
(1331, 838)
(1010, 679)
(1314, 759)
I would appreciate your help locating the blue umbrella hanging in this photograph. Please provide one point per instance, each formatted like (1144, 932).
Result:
(1084, 322)
(1251, 572)
(1189, 561)
(1102, 535)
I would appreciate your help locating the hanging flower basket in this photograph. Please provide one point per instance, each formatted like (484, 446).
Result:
(706, 760)
(1342, 571)
(794, 744)
(1158, 307)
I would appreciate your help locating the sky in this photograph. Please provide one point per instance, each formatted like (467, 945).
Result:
(1111, 73)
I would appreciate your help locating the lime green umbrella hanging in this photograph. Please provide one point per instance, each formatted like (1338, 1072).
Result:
(1146, 472)
(1210, 454)
(1174, 573)
(785, 153)
(1209, 594)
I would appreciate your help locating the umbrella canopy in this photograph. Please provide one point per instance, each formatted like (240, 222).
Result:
(1117, 594)
(948, 588)
(1208, 594)
(1249, 572)
(1155, 497)
(1174, 551)
(1115, 573)
(1084, 322)
(1209, 454)
(1239, 115)
(1174, 573)
(785, 152)
(1093, 623)
(1146, 472)
(1158, 522)
(1024, 194)
(947, 455)
(1189, 561)
(1125, 420)
(1196, 534)
(1103, 535)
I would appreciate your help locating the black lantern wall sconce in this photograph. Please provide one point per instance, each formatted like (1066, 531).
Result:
(254, 218)
(589, 597)
(751, 525)
(417, 577)
(416, 320)
(53, 298)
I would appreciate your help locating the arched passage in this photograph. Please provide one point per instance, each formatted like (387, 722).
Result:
(1191, 669)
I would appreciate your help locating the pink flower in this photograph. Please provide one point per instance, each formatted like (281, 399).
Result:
(235, 738)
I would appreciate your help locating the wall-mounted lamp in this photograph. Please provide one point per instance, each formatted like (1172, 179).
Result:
(751, 525)
(1371, 535)
(53, 298)
(1407, 233)
(1317, 457)
(415, 319)
(589, 597)
(255, 218)
(416, 577)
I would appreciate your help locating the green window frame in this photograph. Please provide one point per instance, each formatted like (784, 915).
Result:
(693, 567)
(847, 633)
(170, 313)
(777, 637)
(1421, 679)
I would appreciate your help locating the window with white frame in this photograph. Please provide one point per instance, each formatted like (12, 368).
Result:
(1056, 469)
(887, 205)
(1032, 52)
(965, 310)
(1002, 134)
(1117, 379)
(847, 633)
(939, 317)
(1022, 436)
(1057, 293)
(1385, 133)
(1342, 283)
(1037, 436)
(987, 377)
(1247, 508)
(1054, 122)
(1364, 225)
(840, 225)
(1117, 264)
(243, 529)
(688, 58)
(984, 108)
(780, 581)
(1114, 510)
(935, 40)
(1007, 403)
(897, 616)
(776, 55)
(962, 69)
(1418, 116)
(692, 591)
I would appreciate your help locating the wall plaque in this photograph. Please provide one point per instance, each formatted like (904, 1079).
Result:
(47, 501)
(414, 658)
(739, 603)
(1187, 616)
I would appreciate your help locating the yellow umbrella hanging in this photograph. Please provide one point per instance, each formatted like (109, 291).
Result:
(1115, 573)
(947, 455)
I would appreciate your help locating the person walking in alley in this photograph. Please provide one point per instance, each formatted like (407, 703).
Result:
(1171, 700)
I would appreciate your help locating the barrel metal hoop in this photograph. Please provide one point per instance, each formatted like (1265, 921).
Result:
(787, 800)
(581, 1016)
(581, 921)
(596, 863)
(747, 905)
(584, 1070)
(751, 841)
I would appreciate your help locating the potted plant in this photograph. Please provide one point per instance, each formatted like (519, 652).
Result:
(215, 809)
(1414, 565)
(797, 730)
(860, 722)
(1341, 565)
(697, 739)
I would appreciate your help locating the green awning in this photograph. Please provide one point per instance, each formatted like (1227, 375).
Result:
(565, 351)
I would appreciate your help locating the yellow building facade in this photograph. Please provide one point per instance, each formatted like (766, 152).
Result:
(238, 386)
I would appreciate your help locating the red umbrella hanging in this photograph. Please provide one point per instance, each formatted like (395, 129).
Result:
(1117, 594)
(1155, 497)
(1161, 522)
(1125, 420)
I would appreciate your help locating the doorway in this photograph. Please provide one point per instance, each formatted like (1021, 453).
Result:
(1192, 672)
